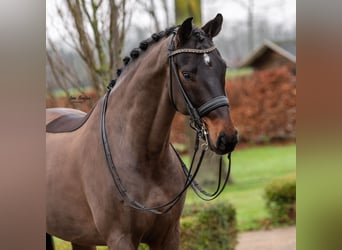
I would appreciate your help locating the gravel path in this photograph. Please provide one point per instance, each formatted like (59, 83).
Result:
(275, 239)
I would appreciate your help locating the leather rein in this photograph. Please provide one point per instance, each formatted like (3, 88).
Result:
(201, 134)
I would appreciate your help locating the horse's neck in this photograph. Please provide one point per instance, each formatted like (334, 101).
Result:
(143, 112)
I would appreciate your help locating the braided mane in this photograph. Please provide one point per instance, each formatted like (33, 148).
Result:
(134, 54)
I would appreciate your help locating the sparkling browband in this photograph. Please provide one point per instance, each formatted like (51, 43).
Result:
(195, 51)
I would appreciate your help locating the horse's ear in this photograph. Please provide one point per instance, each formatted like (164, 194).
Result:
(185, 30)
(213, 27)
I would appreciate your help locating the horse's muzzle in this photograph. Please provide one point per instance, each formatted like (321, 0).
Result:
(226, 144)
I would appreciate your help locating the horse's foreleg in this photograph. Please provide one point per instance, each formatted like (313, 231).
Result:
(122, 242)
(79, 247)
(172, 245)
(170, 242)
(49, 242)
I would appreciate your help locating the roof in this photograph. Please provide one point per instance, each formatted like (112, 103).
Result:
(287, 49)
(288, 45)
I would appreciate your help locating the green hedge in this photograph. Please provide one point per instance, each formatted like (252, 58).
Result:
(212, 227)
(280, 197)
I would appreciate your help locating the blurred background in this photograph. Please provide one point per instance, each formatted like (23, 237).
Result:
(110, 29)
(86, 41)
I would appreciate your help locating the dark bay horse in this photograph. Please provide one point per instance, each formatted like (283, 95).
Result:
(83, 203)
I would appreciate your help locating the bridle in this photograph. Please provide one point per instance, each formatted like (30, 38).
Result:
(196, 122)
(195, 113)
(201, 134)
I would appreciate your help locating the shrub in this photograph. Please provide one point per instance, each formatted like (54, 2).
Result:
(280, 197)
(210, 228)
(263, 105)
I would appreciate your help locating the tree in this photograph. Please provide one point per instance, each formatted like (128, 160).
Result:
(187, 8)
(93, 36)
(150, 6)
(95, 31)
(249, 6)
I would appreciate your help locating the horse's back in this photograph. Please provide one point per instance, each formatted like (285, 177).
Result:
(61, 120)
(54, 113)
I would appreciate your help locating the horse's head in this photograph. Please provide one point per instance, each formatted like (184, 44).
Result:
(199, 75)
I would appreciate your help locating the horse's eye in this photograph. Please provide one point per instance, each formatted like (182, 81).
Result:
(186, 75)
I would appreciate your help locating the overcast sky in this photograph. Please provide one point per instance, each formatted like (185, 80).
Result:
(276, 11)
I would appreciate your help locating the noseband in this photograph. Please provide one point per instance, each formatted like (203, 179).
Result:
(195, 113)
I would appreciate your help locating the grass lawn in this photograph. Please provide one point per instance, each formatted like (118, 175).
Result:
(232, 73)
(252, 169)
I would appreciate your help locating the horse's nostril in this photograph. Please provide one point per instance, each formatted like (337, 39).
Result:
(223, 138)
(226, 144)
(222, 141)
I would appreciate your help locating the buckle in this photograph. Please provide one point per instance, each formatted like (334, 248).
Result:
(204, 136)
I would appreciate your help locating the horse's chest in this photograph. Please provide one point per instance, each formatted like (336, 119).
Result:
(157, 228)
(153, 226)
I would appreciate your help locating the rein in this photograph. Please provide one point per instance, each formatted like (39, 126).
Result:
(201, 133)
